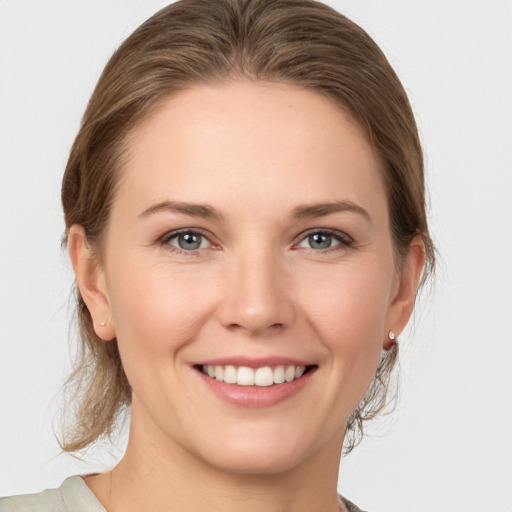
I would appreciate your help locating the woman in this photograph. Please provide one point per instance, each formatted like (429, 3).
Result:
(245, 217)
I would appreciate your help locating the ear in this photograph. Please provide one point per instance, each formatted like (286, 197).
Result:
(408, 280)
(90, 279)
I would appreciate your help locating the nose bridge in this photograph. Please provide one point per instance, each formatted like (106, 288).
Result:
(257, 293)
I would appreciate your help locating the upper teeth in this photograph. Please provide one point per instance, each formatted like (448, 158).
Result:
(245, 376)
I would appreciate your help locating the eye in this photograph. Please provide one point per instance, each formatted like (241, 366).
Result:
(323, 240)
(186, 240)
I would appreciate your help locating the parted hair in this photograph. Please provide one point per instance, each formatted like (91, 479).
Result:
(195, 42)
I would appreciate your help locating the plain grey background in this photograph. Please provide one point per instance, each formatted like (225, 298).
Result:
(448, 445)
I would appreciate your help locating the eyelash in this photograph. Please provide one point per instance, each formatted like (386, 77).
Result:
(164, 240)
(344, 240)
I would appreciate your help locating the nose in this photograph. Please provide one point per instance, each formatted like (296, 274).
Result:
(257, 294)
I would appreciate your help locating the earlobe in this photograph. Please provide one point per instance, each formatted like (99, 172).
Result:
(90, 280)
(402, 304)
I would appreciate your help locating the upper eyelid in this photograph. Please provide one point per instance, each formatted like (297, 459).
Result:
(164, 241)
(324, 230)
(207, 234)
(299, 238)
(335, 232)
(175, 232)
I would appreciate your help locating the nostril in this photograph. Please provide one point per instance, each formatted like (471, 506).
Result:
(255, 329)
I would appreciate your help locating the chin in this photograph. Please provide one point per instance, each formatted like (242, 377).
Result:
(269, 451)
(256, 461)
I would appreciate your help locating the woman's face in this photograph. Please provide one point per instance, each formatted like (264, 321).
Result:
(249, 238)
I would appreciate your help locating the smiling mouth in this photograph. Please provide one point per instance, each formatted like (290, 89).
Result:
(264, 376)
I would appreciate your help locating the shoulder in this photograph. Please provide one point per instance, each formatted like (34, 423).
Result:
(46, 501)
(72, 496)
(349, 505)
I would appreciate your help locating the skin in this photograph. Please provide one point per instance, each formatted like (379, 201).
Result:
(256, 286)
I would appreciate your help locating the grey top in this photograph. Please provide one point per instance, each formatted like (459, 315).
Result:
(72, 496)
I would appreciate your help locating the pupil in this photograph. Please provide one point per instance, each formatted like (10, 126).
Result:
(320, 241)
(189, 241)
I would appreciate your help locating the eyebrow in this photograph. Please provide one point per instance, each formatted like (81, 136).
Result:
(309, 211)
(192, 209)
(300, 212)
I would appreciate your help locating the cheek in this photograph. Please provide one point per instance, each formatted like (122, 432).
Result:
(349, 311)
(157, 312)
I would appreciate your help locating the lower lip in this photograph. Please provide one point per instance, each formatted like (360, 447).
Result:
(256, 396)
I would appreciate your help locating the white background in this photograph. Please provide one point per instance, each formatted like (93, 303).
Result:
(448, 446)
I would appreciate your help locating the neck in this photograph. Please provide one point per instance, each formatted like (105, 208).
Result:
(159, 475)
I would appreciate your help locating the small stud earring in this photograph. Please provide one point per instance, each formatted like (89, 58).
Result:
(391, 336)
(103, 324)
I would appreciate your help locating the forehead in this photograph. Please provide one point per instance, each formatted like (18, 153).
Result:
(271, 141)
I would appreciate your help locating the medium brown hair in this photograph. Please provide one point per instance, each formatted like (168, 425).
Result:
(194, 42)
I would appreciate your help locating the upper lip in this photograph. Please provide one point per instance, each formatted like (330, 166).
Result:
(254, 362)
